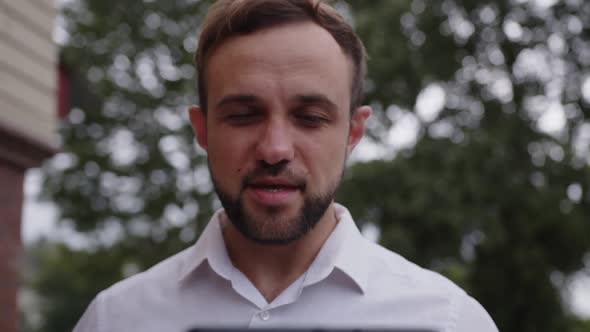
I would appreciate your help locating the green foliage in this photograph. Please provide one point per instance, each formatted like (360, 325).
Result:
(129, 178)
(581, 326)
(489, 200)
(484, 196)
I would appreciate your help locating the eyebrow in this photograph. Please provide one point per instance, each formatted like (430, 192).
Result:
(304, 99)
(238, 99)
(316, 99)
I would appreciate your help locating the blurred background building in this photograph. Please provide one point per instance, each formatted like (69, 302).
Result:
(28, 87)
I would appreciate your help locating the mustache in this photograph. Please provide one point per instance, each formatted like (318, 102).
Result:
(275, 170)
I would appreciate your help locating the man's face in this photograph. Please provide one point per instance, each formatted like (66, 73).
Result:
(278, 128)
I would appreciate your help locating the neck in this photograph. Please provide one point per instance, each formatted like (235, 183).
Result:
(272, 268)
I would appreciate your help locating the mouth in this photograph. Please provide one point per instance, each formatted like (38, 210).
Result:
(273, 192)
(272, 187)
(273, 183)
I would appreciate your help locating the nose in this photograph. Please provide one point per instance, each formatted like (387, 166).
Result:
(275, 144)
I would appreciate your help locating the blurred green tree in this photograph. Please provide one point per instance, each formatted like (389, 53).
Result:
(490, 186)
(130, 178)
(581, 326)
(495, 191)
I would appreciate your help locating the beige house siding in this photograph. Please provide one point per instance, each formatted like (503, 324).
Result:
(28, 63)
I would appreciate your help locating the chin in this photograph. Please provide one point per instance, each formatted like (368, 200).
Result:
(275, 224)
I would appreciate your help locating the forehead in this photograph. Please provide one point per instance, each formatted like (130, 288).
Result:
(290, 58)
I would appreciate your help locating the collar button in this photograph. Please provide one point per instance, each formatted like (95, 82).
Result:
(264, 315)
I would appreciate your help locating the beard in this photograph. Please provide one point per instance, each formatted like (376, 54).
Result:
(275, 228)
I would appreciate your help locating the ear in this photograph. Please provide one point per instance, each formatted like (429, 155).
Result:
(198, 121)
(357, 126)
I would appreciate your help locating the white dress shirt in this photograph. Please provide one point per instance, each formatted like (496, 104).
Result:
(352, 282)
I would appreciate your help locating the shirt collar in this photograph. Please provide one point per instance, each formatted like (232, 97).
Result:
(345, 249)
(210, 247)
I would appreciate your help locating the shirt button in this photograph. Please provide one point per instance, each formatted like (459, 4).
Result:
(264, 315)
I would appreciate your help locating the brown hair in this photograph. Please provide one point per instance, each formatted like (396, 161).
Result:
(228, 18)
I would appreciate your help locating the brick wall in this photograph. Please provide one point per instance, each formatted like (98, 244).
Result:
(17, 153)
(11, 196)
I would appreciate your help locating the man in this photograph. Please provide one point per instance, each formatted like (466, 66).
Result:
(280, 83)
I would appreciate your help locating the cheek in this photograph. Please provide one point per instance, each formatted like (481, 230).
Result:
(325, 160)
(227, 159)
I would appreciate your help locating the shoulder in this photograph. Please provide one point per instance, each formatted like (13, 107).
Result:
(391, 265)
(433, 294)
(163, 275)
(150, 288)
(128, 300)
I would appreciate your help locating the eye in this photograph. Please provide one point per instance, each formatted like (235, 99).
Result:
(311, 120)
(243, 118)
